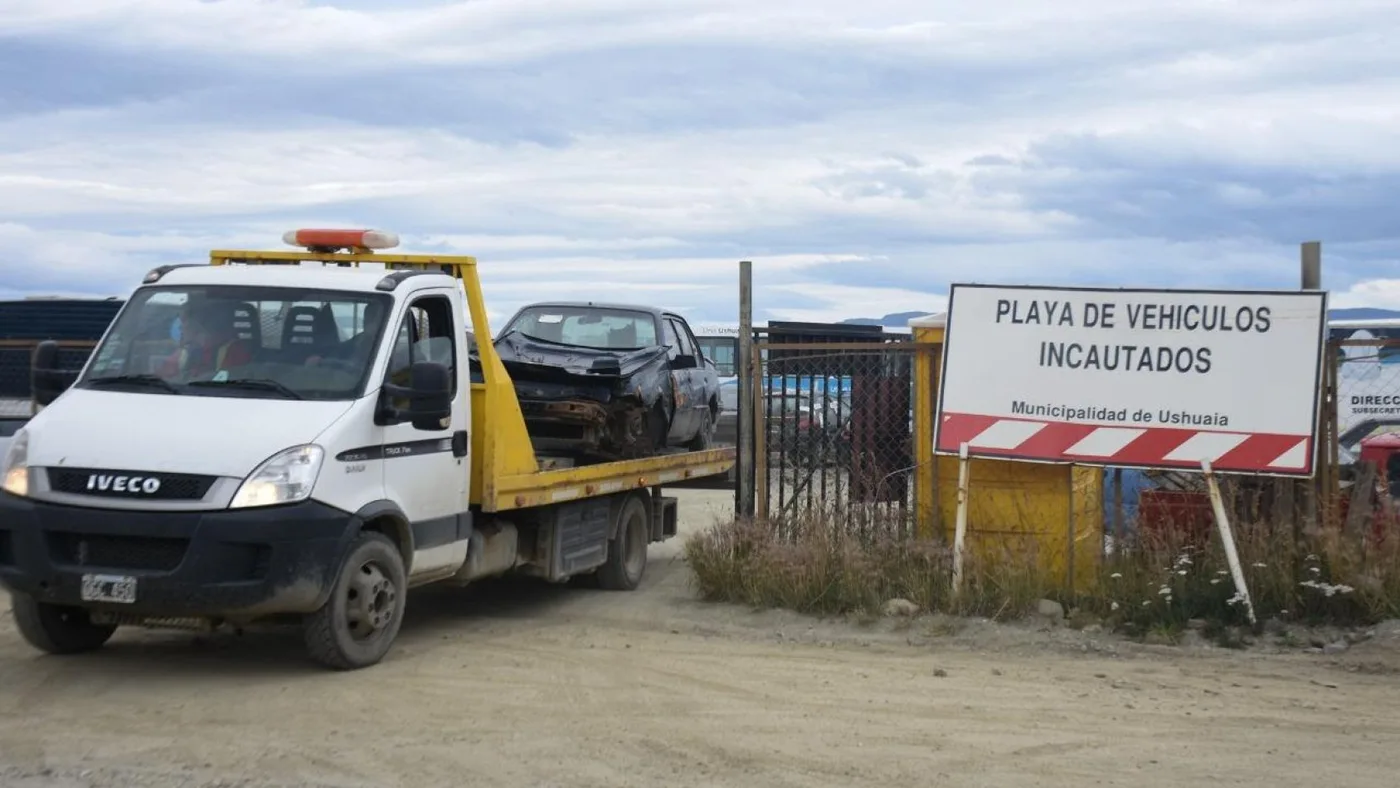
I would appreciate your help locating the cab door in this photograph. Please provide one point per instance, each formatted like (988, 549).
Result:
(427, 473)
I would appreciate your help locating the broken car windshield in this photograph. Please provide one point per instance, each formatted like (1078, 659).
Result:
(601, 328)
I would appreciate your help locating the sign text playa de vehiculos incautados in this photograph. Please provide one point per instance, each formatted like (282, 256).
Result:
(1111, 357)
(1145, 317)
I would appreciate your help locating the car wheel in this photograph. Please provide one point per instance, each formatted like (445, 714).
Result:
(660, 427)
(705, 436)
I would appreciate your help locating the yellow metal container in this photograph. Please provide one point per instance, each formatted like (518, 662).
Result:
(1052, 514)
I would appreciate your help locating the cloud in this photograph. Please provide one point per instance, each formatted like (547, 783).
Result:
(1381, 293)
(862, 155)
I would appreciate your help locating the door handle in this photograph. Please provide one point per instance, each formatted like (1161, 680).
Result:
(459, 443)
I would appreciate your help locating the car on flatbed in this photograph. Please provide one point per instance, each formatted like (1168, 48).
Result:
(307, 442)
(602, 382)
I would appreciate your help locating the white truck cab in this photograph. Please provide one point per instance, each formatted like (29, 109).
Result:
(250, 441)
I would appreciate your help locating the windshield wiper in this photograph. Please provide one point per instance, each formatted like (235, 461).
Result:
(135, 380)
(257, 384)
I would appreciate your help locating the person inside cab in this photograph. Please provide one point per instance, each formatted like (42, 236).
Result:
(209, 342)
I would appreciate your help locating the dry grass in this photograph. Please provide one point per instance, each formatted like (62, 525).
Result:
(825, 564)
(1321, 576)
(816, 564)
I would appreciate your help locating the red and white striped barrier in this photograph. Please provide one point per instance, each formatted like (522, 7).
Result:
(1100, 444)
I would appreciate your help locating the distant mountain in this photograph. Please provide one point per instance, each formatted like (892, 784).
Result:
(901, 319)
(895, 320)
(1362, 313)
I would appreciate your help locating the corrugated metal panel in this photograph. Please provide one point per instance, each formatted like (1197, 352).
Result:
(60, 318)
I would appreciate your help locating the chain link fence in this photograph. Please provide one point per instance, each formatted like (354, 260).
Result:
(1367, 390)
(16, 392)
(834, 432)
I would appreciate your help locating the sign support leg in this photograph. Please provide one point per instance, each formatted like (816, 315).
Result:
(1227, 537)
(960, 530)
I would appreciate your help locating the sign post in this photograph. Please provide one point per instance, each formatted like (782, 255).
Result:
(1139, 378)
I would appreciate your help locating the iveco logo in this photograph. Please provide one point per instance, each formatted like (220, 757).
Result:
(99, 482)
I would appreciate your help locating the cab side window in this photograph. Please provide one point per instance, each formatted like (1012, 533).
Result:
(425, 334)
(669, 337)
(688, 344)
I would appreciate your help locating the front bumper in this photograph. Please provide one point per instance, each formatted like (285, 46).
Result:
(233, 564)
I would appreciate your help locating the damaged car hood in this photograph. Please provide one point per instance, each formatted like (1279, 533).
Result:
(537, 360)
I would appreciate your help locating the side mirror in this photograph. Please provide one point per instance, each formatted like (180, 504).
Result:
(429, 395)
(46, 379)
(685, 362)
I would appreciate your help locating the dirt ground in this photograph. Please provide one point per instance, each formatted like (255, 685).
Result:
(525, 684)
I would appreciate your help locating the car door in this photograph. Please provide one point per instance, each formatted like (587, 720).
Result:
(682, 422)
(427, 472)
(703, 382)
(706, 377)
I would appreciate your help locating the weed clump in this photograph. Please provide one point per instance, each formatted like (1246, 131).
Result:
(1322, 576)
(816, 564)
(1156, 586)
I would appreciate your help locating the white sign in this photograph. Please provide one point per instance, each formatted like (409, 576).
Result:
(1368, 382)
(1133, 377)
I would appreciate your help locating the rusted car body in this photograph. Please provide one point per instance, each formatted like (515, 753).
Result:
(600, 382)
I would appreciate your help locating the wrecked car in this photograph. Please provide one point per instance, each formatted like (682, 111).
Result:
(601, 382)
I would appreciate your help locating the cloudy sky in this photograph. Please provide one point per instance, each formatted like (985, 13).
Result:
(862, 154)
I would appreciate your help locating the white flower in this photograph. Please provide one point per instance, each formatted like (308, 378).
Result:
(1113, 606)
(1117, 575)
(1326, 589)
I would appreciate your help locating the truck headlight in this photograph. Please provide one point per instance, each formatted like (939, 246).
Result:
(285, 477)
(15, 470)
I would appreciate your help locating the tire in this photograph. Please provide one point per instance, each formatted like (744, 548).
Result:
(705, 436)
(627, 551)
(57, 629)
(372, 587)
(660, 426)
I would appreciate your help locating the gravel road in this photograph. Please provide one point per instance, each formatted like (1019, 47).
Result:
(529, 685)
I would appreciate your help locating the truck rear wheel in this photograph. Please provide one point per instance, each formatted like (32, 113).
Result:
(57, 629)
(627, 550)
(358, 623)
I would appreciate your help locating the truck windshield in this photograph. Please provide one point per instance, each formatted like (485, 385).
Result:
(586, 326)
(224, 341)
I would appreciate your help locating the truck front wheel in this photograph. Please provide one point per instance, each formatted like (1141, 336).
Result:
(57, 629)
(358, 623)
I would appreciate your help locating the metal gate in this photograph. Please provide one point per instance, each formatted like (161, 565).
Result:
(833, 427)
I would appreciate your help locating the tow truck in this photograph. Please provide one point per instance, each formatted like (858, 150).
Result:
(358, 445)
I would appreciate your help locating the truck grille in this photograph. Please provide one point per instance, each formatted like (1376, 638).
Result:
(131, 485)
(149, 553)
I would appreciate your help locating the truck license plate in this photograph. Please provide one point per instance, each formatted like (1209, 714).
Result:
(109, 588)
